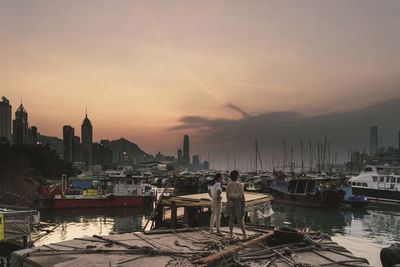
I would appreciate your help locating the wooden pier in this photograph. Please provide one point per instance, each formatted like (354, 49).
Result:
(265, 246)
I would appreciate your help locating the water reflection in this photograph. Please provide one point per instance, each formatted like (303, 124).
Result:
(75, 223)
(363, 231)
(326, 220)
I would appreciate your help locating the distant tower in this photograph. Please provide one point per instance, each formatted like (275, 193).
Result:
(399, 144)
(196, 163)
(76, 149)
(87, 140)
(180, 155)
(373, 141)
(68, 140)
(186, 155)
(5, 119)
(20, 126)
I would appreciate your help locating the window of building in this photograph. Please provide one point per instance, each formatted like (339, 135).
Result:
(353, 183)
(398, 180)
(364, 184)
(375, 179)
(368, 169)
(381, 179)
(358, 184)
(129, 182)
(121, 181)
(393, 179)
(388, 179)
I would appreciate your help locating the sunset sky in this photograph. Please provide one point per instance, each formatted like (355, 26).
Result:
(151, 71)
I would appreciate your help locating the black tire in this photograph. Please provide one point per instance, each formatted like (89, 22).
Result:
(288, 235)
(390, 256)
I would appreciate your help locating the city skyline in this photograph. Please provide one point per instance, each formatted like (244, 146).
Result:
(228, 159)
(152, 72)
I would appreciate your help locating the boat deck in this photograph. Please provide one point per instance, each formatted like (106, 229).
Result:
(192, 247)
(203, 200)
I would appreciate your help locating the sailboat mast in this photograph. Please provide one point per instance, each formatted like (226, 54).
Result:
(256, 155)
(302, 161)
(284, 155)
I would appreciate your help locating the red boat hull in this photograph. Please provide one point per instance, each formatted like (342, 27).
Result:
(109, 202)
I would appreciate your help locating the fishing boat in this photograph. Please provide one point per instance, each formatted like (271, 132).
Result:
(113, 190)
(306, 191)
(378, 183)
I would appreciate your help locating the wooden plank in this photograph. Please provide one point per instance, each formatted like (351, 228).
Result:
(226, 252)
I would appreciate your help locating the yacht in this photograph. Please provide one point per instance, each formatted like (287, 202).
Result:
(378, 183)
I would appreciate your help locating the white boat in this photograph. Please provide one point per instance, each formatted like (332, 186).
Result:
(378, 183)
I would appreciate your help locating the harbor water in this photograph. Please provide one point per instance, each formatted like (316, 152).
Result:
(363, 231)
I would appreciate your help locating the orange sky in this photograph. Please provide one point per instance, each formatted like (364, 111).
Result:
(139, 66)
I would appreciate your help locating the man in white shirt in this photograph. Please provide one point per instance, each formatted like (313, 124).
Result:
(215, 192)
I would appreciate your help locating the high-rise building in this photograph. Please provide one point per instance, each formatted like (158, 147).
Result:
(87, 140)
(206, 165)
(33, 135)
(196, 163)
(68, 139)
(399, 144)
(5, 119)
(76, 149)
(373, 140)
(186, 155)
(179, 163)
(20, 127)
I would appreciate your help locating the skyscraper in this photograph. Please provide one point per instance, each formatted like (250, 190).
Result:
(196, 163)
(179, 157)
(87, 140)
(373, 141)
(20, 126)
(68, 140)
(5, 119)
(186, 155)
(399, 144)
(76, 149)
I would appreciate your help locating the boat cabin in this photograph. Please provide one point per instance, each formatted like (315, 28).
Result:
(377, 177)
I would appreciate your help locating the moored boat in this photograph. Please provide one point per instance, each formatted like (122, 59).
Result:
(306, 191)
(114, 190)
(378, 183)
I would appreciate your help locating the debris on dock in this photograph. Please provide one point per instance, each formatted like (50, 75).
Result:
(265, 246)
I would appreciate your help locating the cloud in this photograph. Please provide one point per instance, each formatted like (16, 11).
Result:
(238, 109)
(343, 130)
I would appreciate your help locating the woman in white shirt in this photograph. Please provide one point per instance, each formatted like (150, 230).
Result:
(236, 202)
(215, 192)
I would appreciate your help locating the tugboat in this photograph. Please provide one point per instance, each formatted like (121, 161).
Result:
(114, 190)
(378, 183)
(306, 191)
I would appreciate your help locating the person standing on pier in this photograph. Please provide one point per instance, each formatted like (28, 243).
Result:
(215, 192)
(236, 202)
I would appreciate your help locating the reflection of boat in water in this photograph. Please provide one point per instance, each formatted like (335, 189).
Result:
(325, 220)
(57, 214)
(383, 220)
(378, 183)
